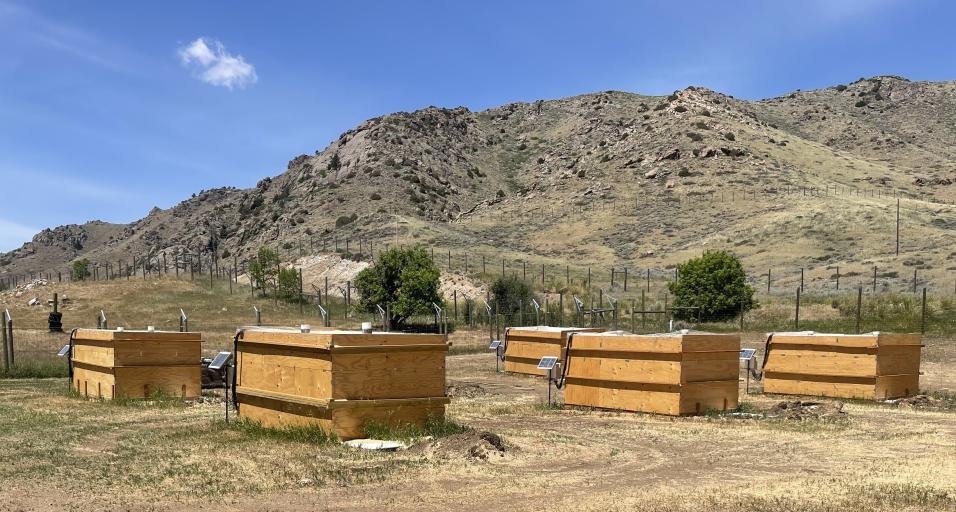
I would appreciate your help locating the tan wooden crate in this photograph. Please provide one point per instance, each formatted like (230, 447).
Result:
(873, 366)
(525, 346)
(675, 373)
(136, 364)
(340, 380)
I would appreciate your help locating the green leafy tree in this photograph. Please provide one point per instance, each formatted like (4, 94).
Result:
(81, 269)
(289, 284)
(263, 269)
(715, 282)
(509, 294)
(405, 279)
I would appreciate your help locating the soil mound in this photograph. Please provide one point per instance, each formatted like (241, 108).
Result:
(805, 410)
(475, 445)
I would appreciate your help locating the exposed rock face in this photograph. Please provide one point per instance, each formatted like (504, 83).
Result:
(431, 170)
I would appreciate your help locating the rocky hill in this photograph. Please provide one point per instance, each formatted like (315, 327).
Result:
(809, 179)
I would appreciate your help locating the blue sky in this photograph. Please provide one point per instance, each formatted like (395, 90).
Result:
(110, 108)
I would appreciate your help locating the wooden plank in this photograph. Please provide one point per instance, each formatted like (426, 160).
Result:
(816, 362)
(529, 350)
(607, 395)
(896, 386)
(899, 359)
(281, 397)
(886, 338)
(275, 413)
(134, 335)
(701, 397)
(93, 381)
(710, 342)
(626, 343)
(351, 422)
(145, 381)
(98, 353)
(388, 375)
(790, 386)
(646, 370)
(150, 353)
(525, 366)
(286, 370)
(836, 340)
(710, 366)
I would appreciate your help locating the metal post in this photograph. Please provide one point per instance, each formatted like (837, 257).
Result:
(796, 321)
(922, 322)
(6, 343)
(914, 280)
(801, 279)
(625, 278)
(768, 280)
(838, 278)
(874, 278)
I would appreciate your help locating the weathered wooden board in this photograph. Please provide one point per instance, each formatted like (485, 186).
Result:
(340, 380)
(673, 374)
(866, 366)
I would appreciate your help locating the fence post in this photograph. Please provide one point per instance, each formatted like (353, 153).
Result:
(625, 278)
(838, 278)
(922, 322)
(796, 320)
(874, 278)
(6, 344)
(768, 280)
(300, 290)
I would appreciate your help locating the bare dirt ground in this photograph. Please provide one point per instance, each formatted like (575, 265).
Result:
(60, 452)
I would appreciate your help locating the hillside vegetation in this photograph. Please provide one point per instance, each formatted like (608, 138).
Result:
(810, 179)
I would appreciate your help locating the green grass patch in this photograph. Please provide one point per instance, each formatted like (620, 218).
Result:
(434, 427)
(36, 370)
(255, 430)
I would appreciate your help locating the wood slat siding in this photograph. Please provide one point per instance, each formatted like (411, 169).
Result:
(136, 364)
(676, 374)
(873, 366)
(525, 346)
(340, 380)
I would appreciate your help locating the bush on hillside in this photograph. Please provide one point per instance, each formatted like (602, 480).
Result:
(715, 282)
(405, 280)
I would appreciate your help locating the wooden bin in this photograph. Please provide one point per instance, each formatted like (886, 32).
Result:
(675, 374)
(874, 366)
(136, 364)
(340, 380)
(525, 346)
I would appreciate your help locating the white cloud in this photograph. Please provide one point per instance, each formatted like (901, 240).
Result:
(212, 64)
(13, 235)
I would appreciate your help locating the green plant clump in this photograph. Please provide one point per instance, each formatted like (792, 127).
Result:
(716, 283)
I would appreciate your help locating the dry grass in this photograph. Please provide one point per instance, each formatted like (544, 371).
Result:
(108, 455)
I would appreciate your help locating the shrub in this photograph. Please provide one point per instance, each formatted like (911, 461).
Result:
(375, 196)
(508, 294)
(289, 284)
(262, 268)
(345, 220)
(404, 279)
(696, 137)
(861, 103)
(715, 282)
(680, 109)
(730, 136)
(335, 163)
(81, 269)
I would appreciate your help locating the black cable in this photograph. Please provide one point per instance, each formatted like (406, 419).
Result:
(559, 384)
(69, 360)
(766, 355)
(235, 369)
